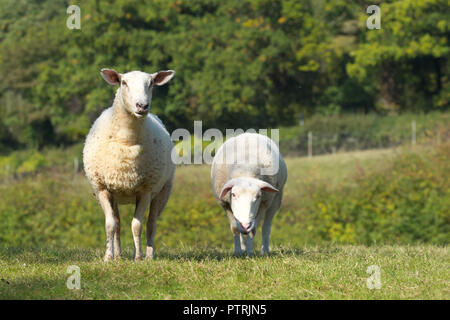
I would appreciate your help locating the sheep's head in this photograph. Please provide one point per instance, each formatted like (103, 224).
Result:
(245, 198)
(136, 88)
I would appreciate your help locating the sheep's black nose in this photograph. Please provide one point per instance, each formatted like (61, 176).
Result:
(142, 106)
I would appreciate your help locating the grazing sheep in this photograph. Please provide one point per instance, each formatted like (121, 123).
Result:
(248, 174)
(127, 158)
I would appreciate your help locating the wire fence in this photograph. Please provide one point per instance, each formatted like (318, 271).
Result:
(317, 143)
(307, 145)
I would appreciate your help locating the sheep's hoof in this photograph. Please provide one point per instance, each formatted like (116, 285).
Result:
(138, 258)
(150, 253)
(108, 257)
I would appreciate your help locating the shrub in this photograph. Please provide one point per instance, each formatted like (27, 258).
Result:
(408, 201)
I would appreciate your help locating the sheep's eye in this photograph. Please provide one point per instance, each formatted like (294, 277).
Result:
(233, 195)
(124, 83)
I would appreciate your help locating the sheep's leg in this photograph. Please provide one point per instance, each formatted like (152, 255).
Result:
(151, 230)
(237, 245)
(247, 243)
(266, 235)
(251, 236)
(156, 207)
(249, 246)
(142, 203)
(268, 222)
(106, 201)
(117, 249)
(242, 240)
(236, 233)
(236, 237)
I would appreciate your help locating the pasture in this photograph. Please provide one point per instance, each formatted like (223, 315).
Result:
(341, 214)
(361, 117)
(309, 272)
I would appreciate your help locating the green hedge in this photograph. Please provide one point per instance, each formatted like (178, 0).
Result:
(407, 201)
(400, 199)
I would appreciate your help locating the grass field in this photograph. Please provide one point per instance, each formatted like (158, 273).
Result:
(326, 272)
(341, 214)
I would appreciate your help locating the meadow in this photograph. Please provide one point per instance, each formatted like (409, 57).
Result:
(307, 272)
(341, 213)
(370, 109)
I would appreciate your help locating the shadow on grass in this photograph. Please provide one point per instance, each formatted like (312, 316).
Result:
(208, 254)
(192, 254)
(38, 288)
(49, 255)
(57, 255)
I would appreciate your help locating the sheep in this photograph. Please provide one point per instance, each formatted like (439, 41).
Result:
(127, 158)
(248, 175)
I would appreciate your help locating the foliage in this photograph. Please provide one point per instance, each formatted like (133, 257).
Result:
(360, 198)
(252, 63)
(331, 134)
(406, 56)
(407, 202)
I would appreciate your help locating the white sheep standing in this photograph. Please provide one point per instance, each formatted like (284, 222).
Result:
(248, 174)
(127, 158)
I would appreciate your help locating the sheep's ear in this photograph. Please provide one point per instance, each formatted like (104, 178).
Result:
(111, 76)
(267, 187)
(162, 77)
(227, 187)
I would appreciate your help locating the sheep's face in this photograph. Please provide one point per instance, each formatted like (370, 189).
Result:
(244, 202)
(245, 198)
(136, 88)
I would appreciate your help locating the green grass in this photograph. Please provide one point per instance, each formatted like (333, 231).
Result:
(61, 206)
(340, 214)
(381, 196)
(326, 272)
(337, 167)
(349, 132)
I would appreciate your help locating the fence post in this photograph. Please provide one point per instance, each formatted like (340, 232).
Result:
(310, 137)
(413, 133)
(7, 172)
(75, 166)
(335, 139)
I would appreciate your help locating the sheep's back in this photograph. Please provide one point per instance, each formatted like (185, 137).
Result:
(268, 155)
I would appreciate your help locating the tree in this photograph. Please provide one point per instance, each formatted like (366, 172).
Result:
(406, 61)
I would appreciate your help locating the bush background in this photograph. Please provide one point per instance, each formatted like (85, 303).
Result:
(374, 197)
(240, 64)
(249, 64)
